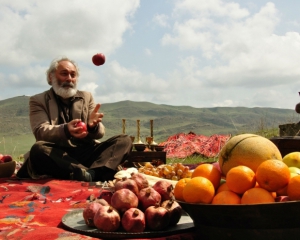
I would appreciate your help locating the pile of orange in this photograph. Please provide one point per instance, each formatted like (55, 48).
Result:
(242, 184)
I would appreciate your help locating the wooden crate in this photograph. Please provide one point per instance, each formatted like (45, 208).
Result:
(287, 144)
(290, 129)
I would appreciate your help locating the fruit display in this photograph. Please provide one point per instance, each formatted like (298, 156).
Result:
(173, 171)
(131, 210)
(243, 176)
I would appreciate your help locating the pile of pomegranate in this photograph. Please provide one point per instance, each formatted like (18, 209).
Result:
(134, 207)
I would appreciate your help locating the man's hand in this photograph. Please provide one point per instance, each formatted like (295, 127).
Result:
(76, 131)
(95, 117)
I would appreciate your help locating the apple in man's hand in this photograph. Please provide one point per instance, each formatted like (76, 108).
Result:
(98, 59)
(82, 125)
(6, 158)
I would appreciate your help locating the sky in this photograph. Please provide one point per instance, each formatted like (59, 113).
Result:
(198, 53)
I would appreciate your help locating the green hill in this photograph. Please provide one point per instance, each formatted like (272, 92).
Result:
(16, 136)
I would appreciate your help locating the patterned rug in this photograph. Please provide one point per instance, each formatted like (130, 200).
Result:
(33, 209)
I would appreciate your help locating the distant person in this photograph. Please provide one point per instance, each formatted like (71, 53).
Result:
(297, 108)
(63, 150)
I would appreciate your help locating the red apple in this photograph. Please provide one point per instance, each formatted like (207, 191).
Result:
(98, 59)
(82, 125)
(1, 156)
(6, 158)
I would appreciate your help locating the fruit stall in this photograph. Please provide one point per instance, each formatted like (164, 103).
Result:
(252, 191)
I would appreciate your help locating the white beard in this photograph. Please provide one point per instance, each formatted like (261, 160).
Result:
(64, 92)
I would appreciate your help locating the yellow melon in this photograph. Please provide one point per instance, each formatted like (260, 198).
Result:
(249, 150)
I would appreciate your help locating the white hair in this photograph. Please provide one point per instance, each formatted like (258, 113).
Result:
(53, 67)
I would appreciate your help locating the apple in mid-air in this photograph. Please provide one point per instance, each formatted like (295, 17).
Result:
(82, 125)
(98, 59)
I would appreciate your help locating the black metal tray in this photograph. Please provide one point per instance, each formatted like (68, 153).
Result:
(74, 222)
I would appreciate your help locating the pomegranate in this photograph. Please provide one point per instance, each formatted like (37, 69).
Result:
(140, 179)
(175, 210)
(148, 197)
(157, 218)
(133, 220)
(102, 201)
(107, 219)
(127, 183)
(89, 212)
(124, 199)
(106, 195)
(165, 189)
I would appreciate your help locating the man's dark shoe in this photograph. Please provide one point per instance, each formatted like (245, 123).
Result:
(81, 174)
(103, 174)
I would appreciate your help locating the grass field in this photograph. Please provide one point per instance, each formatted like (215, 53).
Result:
(191, 160)
(18, 145)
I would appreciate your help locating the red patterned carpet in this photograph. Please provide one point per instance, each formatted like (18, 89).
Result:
(33, 209)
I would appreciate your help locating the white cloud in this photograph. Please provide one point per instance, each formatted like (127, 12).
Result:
(216, 8)
(161, 19)
(148, 52)
(124, 84)
(46, 29)
(89, 87)
(199, 53)
(249, 52)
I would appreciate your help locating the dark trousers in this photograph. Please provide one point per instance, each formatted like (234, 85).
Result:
(59, 162)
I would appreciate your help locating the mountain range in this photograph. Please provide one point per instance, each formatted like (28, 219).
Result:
(168, 120)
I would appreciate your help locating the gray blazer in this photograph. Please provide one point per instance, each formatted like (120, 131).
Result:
(43, 116)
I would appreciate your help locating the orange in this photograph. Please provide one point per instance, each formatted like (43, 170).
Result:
(293, 188)
(257, 195)
(222, 187)
(283, 191)
(208, 171)
(179, 188)
(274, 194)
(247, 149)
(239, 179)
(226, 197)
(198, 190)
(273, 175)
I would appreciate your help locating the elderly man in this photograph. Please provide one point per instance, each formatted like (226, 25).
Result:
(62, 149)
